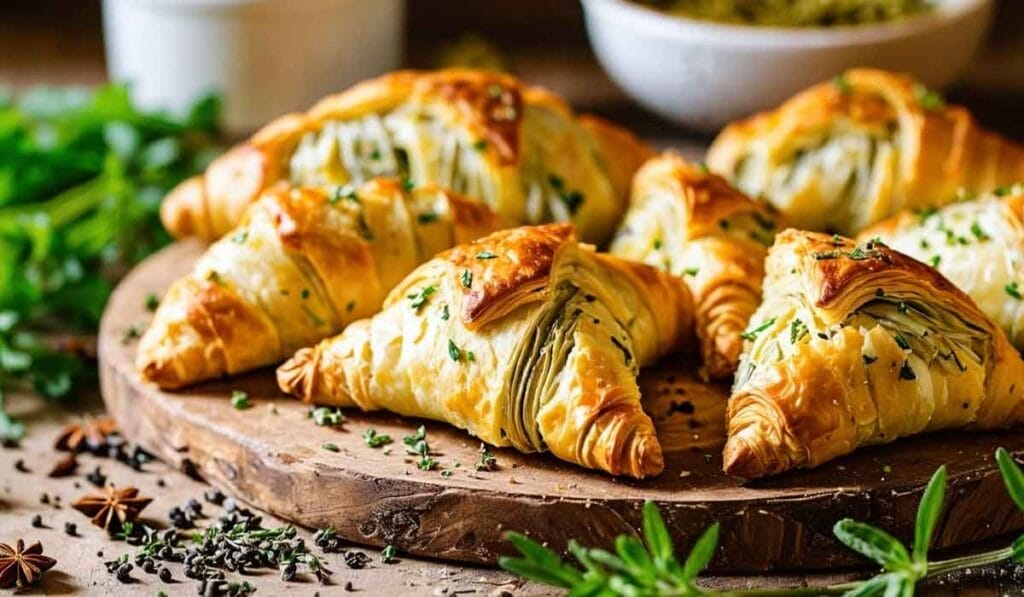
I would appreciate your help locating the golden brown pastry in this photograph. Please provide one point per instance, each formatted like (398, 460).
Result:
(978, 245)
(847, 153)
(691, 223)
(301, 265)
(857, 345)
(526, 338)
(484, 135)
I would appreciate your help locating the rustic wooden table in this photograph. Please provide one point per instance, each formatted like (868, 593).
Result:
(37, 49)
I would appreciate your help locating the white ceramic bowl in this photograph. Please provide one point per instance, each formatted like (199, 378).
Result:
(702, 74)
(266, 57)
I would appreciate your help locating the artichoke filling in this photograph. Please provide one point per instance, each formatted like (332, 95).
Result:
(937, 338)
(825, 186)
(420, 148)
(543, 355)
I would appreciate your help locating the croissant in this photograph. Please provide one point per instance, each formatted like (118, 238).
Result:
(525, 338)
(693, 224)
(301, 265)
(520, 149)
(843, 155)
(978, 245)
(857, 345)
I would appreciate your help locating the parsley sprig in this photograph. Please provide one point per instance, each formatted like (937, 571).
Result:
(649, 566)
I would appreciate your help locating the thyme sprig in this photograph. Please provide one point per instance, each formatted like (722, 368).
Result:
(649, 566)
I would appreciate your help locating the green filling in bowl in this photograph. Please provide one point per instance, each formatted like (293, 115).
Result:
(792, 13)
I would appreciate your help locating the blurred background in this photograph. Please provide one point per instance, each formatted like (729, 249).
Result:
(59, 42)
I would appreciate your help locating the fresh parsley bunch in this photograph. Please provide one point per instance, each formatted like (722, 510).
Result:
(82, 173)
(650, 568)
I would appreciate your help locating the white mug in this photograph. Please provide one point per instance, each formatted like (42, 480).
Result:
(265, 57)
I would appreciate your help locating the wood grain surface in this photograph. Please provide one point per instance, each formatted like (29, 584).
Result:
(272, 456)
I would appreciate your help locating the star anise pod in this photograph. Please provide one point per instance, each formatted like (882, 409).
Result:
(21, 566)
(88, 434)
(64, 467)
(110, 510)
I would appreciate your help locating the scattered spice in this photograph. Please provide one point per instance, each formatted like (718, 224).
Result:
(65, 467)
(22, 566)
(96, 477)
(331, 447)
(19, 465)
(130, 333)
(387, 555)
(114, 508)
(152, 302)
(90, 434)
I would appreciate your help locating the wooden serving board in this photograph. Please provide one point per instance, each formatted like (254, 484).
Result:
(271, 456)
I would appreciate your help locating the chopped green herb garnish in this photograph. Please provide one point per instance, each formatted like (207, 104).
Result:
(240, 237)
(797, 329)
(408, 184)
(934, 261)
(304, 294)
(656, 244)
(426, 217)
(453, 350)
(446, 473)
(364, 227)
(130, 333)
(901, 341)
(326, 416)
(375, 440)
(417, 299)
(703, 167)
(907, 372)
(486, 255)
(152, 302)
(313, 317)
(691, 271)
(375, 154)
(467, 278)
(752, 333)
(427, 463)
(470, 356)
(1013, 289)
(978, 232)
(556, 182)
(387, 555)
(240, 400)
(485, 460)
(928, 99)
(843, 84)
(331, 447)
(350, 306)
(444, 312)
(822, 255)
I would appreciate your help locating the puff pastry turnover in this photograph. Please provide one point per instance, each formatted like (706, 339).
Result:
(525, 338)
(301, 265)
(978, 245)
(519, 149)
(693, 224)
(845, 154)
(857, 345)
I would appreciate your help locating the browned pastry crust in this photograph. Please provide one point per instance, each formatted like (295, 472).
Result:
(522, 137)
(693, 224)
(845, 154)
(857, 345)
(301, 265)
(526, 338)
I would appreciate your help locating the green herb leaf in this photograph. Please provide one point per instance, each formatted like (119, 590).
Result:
(928, 514)
(701, 554)
(240, 400)
(873, 543)
(752, 333)
(486, 255)
(453, 350)
(375, 440)
(417, 299)
(1013, 477)
(1013, 289)
(326, 416)
(659, 543)
(466, 278)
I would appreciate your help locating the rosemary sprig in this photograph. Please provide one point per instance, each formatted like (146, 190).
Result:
(649, 567)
